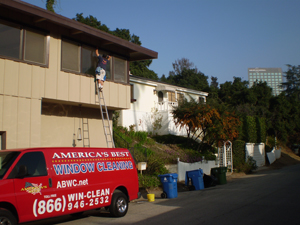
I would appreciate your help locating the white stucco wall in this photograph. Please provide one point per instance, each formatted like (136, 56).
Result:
(142, 111)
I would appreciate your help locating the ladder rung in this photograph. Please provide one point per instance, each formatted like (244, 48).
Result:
(103, 110)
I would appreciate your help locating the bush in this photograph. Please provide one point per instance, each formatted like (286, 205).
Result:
(238, 153)
(155, 166)
(140, 153)
(247, 167)
(139, 135)
(148, 181)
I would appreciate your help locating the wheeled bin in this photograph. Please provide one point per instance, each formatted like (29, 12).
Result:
(196, 177)
(169, 183)
(220, 174)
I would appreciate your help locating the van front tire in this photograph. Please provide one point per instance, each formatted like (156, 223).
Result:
(6, 217)
(119, 205)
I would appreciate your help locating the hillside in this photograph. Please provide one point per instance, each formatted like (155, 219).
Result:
(288, 157)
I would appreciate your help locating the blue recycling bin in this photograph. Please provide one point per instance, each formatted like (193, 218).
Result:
(196, 177)
(169, 183)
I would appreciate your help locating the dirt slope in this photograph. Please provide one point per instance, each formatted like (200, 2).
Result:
(288, 157)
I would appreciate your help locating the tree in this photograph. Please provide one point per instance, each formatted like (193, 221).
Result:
(140, 68)
(186, 76)
(235, 93)
(205, 122)
(292, 85)
(50, 4)
(262, 95)
(281, 123)
(91, 21)
(214, 82)
(182, 64)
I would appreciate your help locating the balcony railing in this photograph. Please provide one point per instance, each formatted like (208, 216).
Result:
(165, 105)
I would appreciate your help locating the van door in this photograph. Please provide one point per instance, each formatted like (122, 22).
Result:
(33, 188)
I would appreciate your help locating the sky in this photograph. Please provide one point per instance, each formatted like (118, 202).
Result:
(223, 38)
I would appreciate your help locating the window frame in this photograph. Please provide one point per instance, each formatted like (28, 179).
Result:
(101, 51)
(171, 96)
(15, 170)
(3, 140)
(22, 31)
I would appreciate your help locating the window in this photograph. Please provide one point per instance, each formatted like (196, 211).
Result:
(35, 47)
(180, 97)
(10, 40)
(70, 59)
(108, 70)
(81, 59)
(201, 100)
(35, 163)
(2, 140)
(160, 96)
(120, 70)
(7, 158)
(171, 96)
(23, 44)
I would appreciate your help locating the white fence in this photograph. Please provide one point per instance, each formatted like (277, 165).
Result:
(182, 167)
(257, 152)
(273, 155)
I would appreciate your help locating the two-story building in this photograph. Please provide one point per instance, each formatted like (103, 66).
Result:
(47, 89)
(153, 101)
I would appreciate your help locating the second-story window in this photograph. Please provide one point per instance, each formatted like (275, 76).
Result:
(82, 59)
(180, 97)
(120, 70)
(160, 96)
(20, 43)
(70, 56)
(34, 47)
(78, 58)
(171, 96)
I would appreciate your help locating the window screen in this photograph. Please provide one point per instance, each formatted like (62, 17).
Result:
(35, 47)
(120, 70)
(70, 56)
(10, 41)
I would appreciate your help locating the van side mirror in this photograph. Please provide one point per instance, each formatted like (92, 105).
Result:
(22, 171)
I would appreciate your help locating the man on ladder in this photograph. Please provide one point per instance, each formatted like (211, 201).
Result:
(101, 67)
(101, 77)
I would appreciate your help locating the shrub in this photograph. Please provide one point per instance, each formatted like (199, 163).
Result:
(155, 166)
(148, 181)
(247, 167)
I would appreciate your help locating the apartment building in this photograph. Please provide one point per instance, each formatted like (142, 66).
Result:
(273, 77)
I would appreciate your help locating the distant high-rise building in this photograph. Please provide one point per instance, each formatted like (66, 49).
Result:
(273, 77)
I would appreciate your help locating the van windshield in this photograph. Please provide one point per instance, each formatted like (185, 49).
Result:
(6, 160)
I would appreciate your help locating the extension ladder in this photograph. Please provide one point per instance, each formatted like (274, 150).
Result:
(105, 119)
(85, 132)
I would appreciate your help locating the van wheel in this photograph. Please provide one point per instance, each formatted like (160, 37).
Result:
(119, 205)
(7, 218)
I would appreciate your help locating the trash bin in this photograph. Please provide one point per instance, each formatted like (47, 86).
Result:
(220, 174)
(169, 183)
(209, 181)
(196, 177)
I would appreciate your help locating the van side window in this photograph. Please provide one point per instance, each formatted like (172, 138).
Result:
(35, 163)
